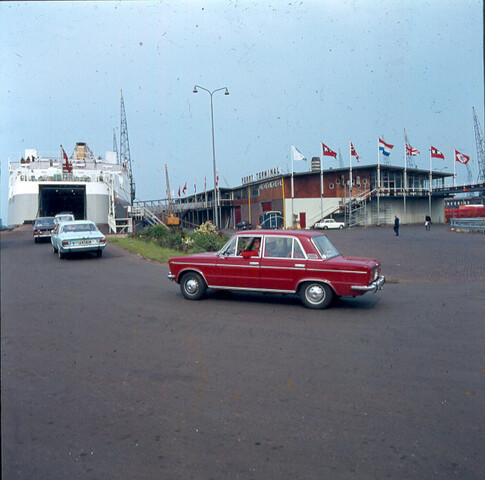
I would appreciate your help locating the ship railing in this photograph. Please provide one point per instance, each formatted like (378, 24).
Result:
(120, 225)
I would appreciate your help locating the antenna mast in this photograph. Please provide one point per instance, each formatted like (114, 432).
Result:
(125, 156)
(480, 148)
(115, 146)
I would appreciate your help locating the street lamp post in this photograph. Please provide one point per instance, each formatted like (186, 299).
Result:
(216, 217)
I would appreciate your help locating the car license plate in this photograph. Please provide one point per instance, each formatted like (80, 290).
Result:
(84, 242)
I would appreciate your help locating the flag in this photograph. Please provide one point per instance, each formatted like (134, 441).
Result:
(435, 153)
(195, 187)
(217, 178)
(297, 155)
(205, 184)
(68, 166)
(385, 148)
(461, 157)
(411, 151)
(185, 188)
(353, 152)
(179, 190)
(328, 152)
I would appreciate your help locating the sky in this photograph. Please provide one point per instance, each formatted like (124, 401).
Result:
(298, 72)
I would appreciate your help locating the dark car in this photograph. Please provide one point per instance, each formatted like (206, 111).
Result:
(43, 227)
(244, 225)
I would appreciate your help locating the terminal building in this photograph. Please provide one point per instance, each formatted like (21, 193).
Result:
(360, 196)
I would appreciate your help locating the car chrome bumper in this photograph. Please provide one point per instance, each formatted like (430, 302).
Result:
(373, 287)
(171, 276)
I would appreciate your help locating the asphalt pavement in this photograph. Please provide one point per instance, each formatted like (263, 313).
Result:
(108, 372)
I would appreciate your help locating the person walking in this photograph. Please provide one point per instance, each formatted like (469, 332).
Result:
(427, 222)
(396, 225)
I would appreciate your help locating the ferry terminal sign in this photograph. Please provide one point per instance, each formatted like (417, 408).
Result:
(272, 172)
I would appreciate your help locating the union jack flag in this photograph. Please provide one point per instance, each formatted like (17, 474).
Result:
(411, 151)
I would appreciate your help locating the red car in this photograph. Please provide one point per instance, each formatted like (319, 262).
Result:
(278, 261)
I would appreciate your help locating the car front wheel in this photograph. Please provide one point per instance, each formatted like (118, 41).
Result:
(316, 295)
(192, 286)
(341, 226)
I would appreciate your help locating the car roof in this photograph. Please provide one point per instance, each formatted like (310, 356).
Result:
(296, 233)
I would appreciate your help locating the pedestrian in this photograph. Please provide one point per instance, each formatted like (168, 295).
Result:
(427, 222)
(396, 225)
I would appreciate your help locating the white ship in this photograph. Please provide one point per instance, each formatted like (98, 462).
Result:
(90, 187)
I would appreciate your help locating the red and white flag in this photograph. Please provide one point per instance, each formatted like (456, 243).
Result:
(205, 184)
(185, 188)
(68, 165)
(435, 153)
(328, 152)
(411, 151)
(461, 157)
(353, 152)
(179, 190)
(217, 178)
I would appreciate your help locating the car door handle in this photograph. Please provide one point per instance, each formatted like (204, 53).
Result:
(253, 263)
(301, 265)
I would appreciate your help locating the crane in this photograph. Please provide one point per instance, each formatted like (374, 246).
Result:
(480, 148)
(125, 156)
(171, 219)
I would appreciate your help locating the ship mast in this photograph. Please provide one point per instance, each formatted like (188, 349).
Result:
(125, 156)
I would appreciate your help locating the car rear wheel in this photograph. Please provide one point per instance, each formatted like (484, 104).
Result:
(54, 249)
(192, 286)
(61, 255)
(341, 226)
(325, 227)
(316, 295)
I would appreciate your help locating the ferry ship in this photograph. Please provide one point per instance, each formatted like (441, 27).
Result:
(92, 188)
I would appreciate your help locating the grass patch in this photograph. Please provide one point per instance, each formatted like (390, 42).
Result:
(146, 248)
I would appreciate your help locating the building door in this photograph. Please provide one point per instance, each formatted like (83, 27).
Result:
(237, 214)
(266, 206)
(302, 219)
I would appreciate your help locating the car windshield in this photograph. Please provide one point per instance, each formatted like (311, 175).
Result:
(64, 218)
(325, 247)
(81, 227)
(45, 222)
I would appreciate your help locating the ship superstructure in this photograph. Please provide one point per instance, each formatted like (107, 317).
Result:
(91, 187)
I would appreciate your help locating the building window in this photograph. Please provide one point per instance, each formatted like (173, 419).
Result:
(337, 181)
(364, 181)
(331, 186)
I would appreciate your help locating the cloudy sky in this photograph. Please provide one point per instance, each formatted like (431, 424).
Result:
(298, 72)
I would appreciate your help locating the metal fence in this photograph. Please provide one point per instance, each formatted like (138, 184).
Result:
(469, 224)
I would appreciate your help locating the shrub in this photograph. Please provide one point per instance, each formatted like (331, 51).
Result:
(206, 238)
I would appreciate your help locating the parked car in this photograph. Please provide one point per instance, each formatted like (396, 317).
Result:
(329, 223)
(244, 225)
(301, 262)
(77, 236)
(43, 227)
(64, 217)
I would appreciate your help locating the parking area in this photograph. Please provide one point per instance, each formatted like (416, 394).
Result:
(107, 372)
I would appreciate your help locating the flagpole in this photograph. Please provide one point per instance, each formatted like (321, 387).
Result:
(292, 215)
(405, 177)
(321, 187)
(350, 185)
(454, 171)
(430, 190)
(378, 184)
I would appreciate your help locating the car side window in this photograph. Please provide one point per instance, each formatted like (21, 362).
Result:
(231, 248)
(277, 247)
(297, 250)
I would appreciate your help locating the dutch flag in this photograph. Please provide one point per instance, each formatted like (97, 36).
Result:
(385, 148)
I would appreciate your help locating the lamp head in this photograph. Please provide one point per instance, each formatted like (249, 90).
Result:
(226, 92)
(195, 89)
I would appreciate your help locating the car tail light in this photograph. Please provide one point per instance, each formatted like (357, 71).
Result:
(65, 242)
(37, 232)
(102, 240)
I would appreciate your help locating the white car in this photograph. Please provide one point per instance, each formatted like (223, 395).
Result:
(329, 223)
